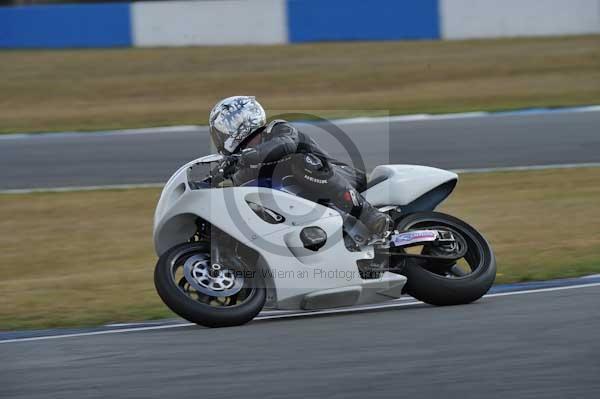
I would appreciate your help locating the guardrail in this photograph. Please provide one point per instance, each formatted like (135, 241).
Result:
(185, 23)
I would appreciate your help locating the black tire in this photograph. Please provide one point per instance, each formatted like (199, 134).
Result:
(436, 289)
(197, 312)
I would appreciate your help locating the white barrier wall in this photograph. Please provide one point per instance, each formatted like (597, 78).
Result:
(238, 22)
(463, 19)
(187, 23)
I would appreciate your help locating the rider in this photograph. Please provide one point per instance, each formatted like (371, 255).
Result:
(238, 125)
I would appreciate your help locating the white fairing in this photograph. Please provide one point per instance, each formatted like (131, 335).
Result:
(297, 277)
(404, 183)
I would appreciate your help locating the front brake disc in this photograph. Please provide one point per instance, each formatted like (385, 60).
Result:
(210, 280)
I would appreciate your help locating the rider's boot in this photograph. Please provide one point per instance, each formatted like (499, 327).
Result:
(379, 224)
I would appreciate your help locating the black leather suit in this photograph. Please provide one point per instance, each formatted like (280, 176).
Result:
(283, 150)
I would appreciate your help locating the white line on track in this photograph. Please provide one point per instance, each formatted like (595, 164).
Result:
(346, 121)
(159, 185)
(392, 304)
(529, 167)
(120, 132)
(80, 188)
(464, 115)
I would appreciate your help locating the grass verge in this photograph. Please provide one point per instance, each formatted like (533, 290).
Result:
(84, 258)
(123, 88)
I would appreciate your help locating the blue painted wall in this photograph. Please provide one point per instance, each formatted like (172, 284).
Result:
(59, 26)
(109, 25)
(337, 20)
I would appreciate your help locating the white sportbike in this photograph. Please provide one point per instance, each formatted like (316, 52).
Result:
(227, 253)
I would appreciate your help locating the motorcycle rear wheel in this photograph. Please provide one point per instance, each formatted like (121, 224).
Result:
(451, 286)
(199, 308)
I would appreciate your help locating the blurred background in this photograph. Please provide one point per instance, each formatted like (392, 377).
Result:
(100, 102)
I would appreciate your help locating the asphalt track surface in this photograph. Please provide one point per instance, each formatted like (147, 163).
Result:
(536, 345)
(490, 141)
(542, 344)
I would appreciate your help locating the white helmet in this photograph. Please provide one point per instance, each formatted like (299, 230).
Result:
(233, 120)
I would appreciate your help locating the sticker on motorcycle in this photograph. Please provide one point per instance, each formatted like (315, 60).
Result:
(413, 237)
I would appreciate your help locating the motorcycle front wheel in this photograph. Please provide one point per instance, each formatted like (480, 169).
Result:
(444, 283)
(204, 293)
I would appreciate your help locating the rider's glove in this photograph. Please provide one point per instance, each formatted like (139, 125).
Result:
(228, 166)
(249, 157)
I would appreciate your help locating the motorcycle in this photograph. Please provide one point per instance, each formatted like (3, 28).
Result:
(225, 253)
